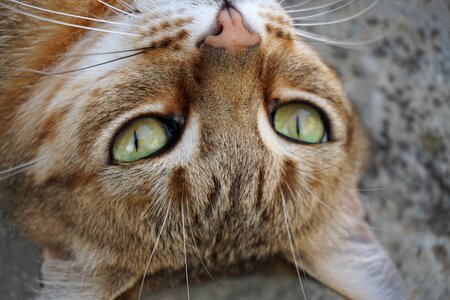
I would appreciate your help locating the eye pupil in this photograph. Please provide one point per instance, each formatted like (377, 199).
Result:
(136, 141)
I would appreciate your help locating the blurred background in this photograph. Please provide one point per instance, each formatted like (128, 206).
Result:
(394, 60)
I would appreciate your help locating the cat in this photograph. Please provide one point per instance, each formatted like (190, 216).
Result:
(143, 138)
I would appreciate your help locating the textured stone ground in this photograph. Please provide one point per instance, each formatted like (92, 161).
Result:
(401, 87)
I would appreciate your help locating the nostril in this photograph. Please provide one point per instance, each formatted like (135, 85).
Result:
(217, 30)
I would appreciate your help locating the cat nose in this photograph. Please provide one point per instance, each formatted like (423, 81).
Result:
(233, 35)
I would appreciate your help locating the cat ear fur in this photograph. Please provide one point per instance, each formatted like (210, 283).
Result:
(347, 257)
(62, 279)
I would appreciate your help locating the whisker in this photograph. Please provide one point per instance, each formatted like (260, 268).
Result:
(112, 7)
(326, 12)
(197, 249)
(5, 174)
(21, 166)
(375, 189)
(363, 11)
(294, 256)
(299, 5)
(14, 173)
(129, 7)
(88, 12)
(347, 43)
(45, 74)
(154, 250)
(316, 7)
(65, 23)
(67, 14)
(354, 43)
(342, 214)
(185, 251)
(110, 52)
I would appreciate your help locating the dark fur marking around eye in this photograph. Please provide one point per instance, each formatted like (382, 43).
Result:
(178, 186)
(213, 197)
(288, 179)
(260, 191)
(234, 193)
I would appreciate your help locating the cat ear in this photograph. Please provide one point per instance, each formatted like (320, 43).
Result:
(62, 279)
(345, 255)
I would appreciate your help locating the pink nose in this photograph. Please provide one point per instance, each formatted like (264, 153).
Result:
(233, 35)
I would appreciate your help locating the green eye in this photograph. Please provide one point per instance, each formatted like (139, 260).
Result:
(139, 139)
(300, 122)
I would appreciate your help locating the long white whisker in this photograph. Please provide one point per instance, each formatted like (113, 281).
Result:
(299, 5)
(154, 250)
(67, 14)
(88, 12)
(115, 8)
(326, 12)
(375, 189)
(348, 43)
(21, 166)
(372, 5)
(185, 252)
(41, 73)
(14, 173)
(197, 249)
(342, 214)
(315, 8)
(128, 6)
(109, 52)
(291, 244)
(354, 43)
(65, 23)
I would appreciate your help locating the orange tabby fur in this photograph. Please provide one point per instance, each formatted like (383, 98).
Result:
(229, 172)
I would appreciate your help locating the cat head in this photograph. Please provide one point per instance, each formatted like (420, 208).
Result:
(165, 134)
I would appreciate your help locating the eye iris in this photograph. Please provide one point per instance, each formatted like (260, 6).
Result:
(300, 122)
(139, 139)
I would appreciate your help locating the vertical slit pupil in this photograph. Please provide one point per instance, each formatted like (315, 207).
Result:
(136, 141)
(297, 125)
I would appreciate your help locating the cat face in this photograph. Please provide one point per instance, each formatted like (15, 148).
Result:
(236, 154)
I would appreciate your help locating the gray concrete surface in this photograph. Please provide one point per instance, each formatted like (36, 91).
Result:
(401, 87)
